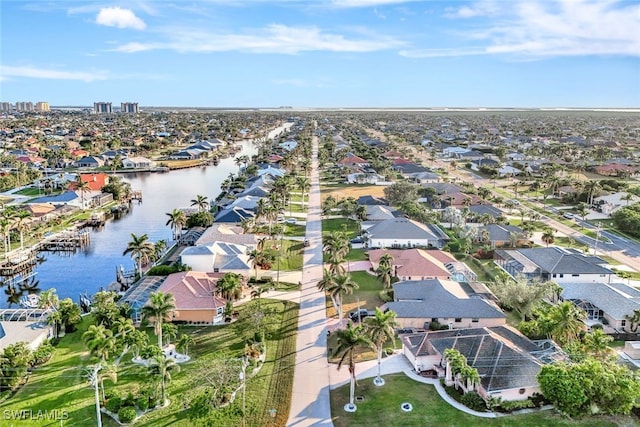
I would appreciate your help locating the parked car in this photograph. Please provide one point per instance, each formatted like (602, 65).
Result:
(306, 243)
(357, 315)
(291, 221)
(568, 215)
(358, 239)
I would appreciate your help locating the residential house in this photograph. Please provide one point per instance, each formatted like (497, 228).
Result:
(508, 363)
(233, 215)
(560, 265)
(405, 233)
(364, 178)
(137, 162)
(605, 303)
(507, 170)
(195, 296)
(371, 200)
(484, 162)
(498, 235)
(217, 257)
(415, 264)
(420, 303)
(90, 162)
(353, 161)
(610, 203)
(229, 233)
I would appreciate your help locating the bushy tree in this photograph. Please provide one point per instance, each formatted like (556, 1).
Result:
(401, 192)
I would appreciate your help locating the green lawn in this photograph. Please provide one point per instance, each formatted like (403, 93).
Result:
(30, 191)
(353, 255)
(336, 224)
(60, 384)
(367, 293)
(294, 230)
(381, 406)
(290, 255)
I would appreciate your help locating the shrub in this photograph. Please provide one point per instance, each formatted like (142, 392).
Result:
(111, 393)
(42, 354)
(130, 400)
(163, 270)
(472, 400)
(114, 404)
(127, 414)
(143, 403)
(513, 405)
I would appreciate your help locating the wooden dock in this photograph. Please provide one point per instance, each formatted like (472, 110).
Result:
(66, 241)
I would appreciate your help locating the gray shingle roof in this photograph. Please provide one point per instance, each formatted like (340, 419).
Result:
(430, 299)
(502, 357)
(562, 261)
(404, 228)
(616, 299)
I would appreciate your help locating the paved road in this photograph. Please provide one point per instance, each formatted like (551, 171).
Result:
(310, 404)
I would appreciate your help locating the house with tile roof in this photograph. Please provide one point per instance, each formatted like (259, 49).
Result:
(497, 235)
(605, 303)
(405, 233)
(415, 264)
(195, 296)
(560, 265)
(419, 303)
(508, 363)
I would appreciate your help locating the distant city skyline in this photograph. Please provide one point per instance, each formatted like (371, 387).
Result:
(323, 53)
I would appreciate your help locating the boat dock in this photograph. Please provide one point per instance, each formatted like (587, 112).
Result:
(66, 241)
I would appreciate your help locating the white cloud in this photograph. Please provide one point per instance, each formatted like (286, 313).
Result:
(7, 72)
(118, 17)
(537, 29)
(272, 39)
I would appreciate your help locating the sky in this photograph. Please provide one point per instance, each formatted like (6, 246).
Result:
(322, 53)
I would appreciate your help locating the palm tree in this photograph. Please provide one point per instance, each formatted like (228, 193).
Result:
(384, 274)
(597, 343)
(100, 341)
(634, 320)
(337, 246)
(326, 284)
(141, 249)
(379, 328)
(303, 184)
(83, 187)
(342, 285)
(184, 342)
(547, 236)
(160, 307)
(177, 220)
(107, 371)
(21, 225)
(170, 331)
(54, 319)
(592, 188)
(257, 293)
(162, 368)
(349, 340)
(254, 259)
(230, 286)
(48, 299)
(201, 202)
(564, 322)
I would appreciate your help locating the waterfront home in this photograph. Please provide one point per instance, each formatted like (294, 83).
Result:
(137, 162)
(196, 297)
(90, 162)
(217, 257)
(508, 362)
(233, 215)
(423, 303)
(560, 265)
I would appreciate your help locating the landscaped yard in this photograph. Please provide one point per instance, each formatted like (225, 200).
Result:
(61, 383)
(336, 224)
(289, 255)
(381, 405)
(366, 296)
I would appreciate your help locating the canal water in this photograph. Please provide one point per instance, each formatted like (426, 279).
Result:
(94, 266)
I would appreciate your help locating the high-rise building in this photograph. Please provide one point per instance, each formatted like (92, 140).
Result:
(24, 106)
(129, 107)
(102, 108)
(43, 106)
(6, 107)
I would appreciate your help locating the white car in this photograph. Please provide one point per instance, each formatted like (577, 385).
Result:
(291, 221)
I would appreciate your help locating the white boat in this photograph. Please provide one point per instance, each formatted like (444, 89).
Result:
(30, 301)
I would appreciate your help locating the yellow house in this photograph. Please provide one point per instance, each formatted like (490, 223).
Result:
(195, 297)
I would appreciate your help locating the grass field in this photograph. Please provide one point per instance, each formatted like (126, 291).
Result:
(341, 191)
(340, 224)
(381, 406)
(61, 383)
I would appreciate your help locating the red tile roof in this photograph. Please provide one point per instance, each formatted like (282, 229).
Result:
(193, 290)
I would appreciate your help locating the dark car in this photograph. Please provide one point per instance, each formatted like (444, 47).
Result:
(355, 316)
(306, 243)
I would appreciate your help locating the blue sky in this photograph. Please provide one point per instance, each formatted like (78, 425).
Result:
(322, 53)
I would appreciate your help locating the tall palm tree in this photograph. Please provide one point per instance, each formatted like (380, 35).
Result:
(107, 371)
(326, 284)
(547, 236)
(83, 187)
(597, 343)
(55, 319)
(48, 299)
(100, 341)
(201, 202)
(303, 184)
(257, 293)
(22, 225)
(592, 188)
(379, 328)
(160, 307)
(350, 340)
(337, 246)
(254, 259)
(342, 285)
(177, 220)
(162, 368)
(141, 250)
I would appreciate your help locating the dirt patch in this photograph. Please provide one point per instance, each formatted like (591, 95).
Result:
(354, 191)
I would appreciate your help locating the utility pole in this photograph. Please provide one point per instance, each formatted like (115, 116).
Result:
(244, 387)
(92, 376)
(595, 247)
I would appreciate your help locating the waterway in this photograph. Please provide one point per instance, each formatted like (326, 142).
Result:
(94, 266)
